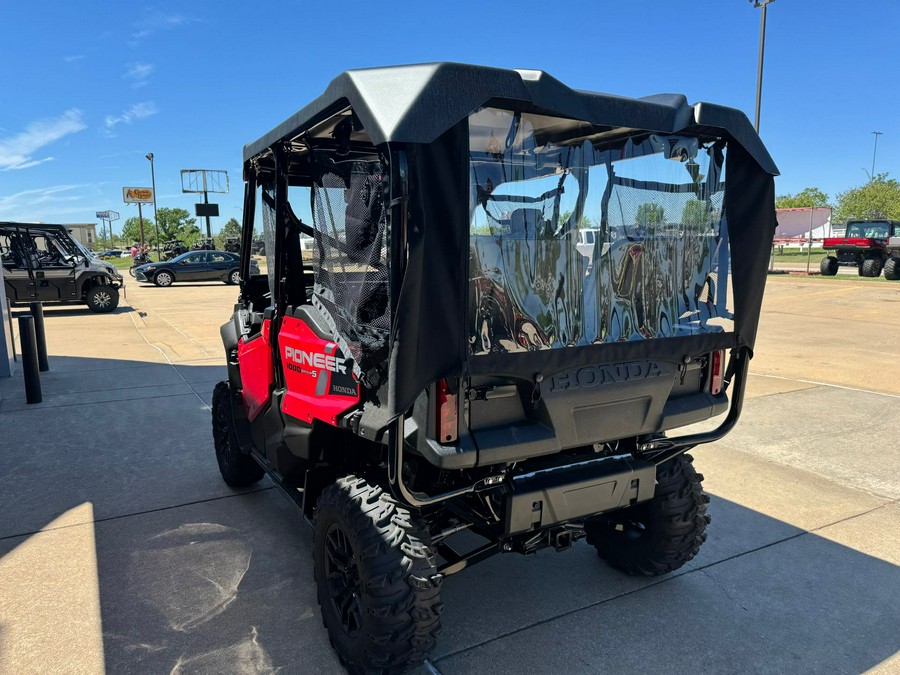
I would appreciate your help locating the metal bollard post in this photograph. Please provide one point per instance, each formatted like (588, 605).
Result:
(30, 367)
(37, 311)
(12, 333)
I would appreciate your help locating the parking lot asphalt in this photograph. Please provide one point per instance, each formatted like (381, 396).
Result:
(121, 550)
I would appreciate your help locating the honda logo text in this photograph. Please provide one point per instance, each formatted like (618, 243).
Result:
(594, 376)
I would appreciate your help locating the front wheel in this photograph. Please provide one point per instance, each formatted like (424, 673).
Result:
(658, 536)
(377, 582)
(829, 266)
(102, 299)
(238, 469)
(163, 279)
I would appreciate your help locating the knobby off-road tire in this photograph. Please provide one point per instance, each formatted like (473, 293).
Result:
(661, 535)
(892, 269)
(829, 266)
(378, 586)
(870, 267)
(102, 299)
(238, 469)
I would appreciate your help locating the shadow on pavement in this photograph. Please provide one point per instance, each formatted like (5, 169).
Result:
(196, 577)
(69, 309)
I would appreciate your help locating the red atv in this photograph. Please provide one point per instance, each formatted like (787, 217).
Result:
(868, 245)
(450, 359)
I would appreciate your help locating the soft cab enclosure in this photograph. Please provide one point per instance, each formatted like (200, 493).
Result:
(507, 267)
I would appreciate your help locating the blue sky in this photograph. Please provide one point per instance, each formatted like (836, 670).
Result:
(88, 88)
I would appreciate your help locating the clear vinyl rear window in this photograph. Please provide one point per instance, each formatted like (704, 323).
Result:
(580, 235)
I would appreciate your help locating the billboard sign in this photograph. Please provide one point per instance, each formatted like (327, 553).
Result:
(137, 195)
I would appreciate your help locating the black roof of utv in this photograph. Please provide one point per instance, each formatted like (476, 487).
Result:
(418, 103)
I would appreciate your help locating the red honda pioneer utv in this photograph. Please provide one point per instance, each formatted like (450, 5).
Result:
(452, 358)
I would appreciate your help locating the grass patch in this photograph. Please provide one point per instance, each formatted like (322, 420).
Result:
(796, 255)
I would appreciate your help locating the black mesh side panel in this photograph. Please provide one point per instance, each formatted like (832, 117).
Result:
(268, 218)
(350, 217)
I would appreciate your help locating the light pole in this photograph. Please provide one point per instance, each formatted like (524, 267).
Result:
(149, 156)
(762, 51)
(874, 150)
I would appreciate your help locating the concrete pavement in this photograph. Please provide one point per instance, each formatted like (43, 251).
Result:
(122, 550)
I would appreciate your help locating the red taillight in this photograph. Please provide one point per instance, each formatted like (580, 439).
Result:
(445, 413)
(716, 372)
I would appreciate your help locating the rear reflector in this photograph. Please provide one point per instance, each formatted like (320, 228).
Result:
(445, 413)
(716, 372)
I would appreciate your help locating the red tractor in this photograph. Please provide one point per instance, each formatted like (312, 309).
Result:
(451, 366)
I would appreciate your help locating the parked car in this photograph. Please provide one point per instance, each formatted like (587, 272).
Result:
(125, 254)
(195, 266)
(108, 255)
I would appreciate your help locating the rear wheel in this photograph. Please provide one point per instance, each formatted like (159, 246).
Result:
(234, 277)
(829, 266)
(102, 299)
(870, 267)
(892, 269)
(658, 536)
(238, 468)
(163, 278)
(377, 581)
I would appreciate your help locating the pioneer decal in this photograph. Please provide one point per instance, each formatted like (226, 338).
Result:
(301, 358)
(595, 376)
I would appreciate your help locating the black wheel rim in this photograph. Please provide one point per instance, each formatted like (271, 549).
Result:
(342, 579)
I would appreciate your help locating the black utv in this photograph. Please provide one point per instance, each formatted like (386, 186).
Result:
(45, 263)
(460, 356)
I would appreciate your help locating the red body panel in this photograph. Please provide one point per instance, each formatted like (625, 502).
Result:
(856, 242)
(319, 378)
(257, 374)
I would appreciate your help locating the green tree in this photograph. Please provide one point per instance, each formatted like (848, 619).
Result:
(650, 214)
(131, 231)
(177, 224)
(879, 198)
(807, 197)
(231, 229)
(695, 214)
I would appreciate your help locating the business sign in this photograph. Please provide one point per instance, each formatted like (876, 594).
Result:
(206, 210)
(137, 195)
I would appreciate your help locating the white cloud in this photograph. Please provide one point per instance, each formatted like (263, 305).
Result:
(73, 58)
(138, 111)
(28, 165)
(16, 150)
(153, 20)
(139, 74)
(27, 201)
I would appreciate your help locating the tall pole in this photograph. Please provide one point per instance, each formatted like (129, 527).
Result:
(874, 150)
(141, 219)
(149, 156)
(762, 52)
